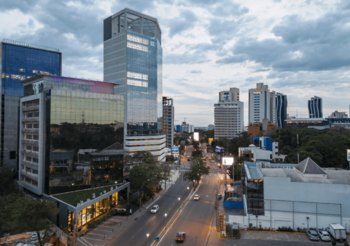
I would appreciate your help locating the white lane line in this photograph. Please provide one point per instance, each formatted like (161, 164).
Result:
(82, 241)
(153, 202)
(140, 229)
(101, 230)
(93, 238)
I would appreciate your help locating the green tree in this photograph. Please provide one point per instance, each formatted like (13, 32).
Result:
(7, 182)
(26, 214)
(196, 172)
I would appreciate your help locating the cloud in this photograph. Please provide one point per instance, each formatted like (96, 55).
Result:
(194, 71)
(185, 21)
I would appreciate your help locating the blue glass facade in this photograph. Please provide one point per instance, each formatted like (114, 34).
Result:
(144, 84)
(281, 109)
(19, 63)
(315, 107)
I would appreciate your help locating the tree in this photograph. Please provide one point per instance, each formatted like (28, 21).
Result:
(148, 173)
(7, 178)
(196, 172)
(26, 214)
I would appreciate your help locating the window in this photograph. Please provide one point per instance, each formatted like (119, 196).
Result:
(28, 147)
(35, 137)
(28, 170)
(34, 171)
(35, 148)
(28, 136)
(12, 155)
(36, 126)
(35, 160)
(28, 158)
(29, 126)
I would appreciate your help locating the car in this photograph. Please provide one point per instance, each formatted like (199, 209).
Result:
(219, 196)
(324, 235)
(154, 209)
(180, 237)
(196, 197)
(312, 235)
(208, 167)
(188, 158)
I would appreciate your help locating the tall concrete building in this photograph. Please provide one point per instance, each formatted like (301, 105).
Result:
(259, 103)
(133, 59)
(228, 114)
(168, 121)
(315, 107)
(20, 61)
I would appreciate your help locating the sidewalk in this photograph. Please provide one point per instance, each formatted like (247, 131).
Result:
(114, 225)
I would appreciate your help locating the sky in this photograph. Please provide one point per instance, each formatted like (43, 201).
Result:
(300, 48)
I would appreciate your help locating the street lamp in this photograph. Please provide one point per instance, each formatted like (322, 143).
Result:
(179, 198)
(188, 188)
(147, 237)
(165, 215)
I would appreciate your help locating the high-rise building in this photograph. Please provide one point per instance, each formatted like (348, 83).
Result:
(281, 109)
(133, 60)
(315, 107)
(20, 61)
(71, 134)
(338, 115)
(228, 115)
(168, 121)
(259, 103)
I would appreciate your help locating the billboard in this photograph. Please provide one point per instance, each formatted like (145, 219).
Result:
(210, 140)
(196, 136)
(175, 150)
(219, 149)
(227, 160)
(348, 154)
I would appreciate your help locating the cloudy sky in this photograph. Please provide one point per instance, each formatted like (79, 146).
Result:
(300, 48)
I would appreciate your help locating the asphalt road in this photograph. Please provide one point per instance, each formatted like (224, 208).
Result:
(197, 216)
(153, 223)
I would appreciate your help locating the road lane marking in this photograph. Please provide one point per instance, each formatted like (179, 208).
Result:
(93, 238)
(140, 229)
(153, 202)
(82, 242)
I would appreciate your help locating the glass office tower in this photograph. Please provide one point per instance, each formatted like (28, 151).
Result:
(315, 107)
(133, 59)
(20, 61)
(71, 134)
(281, 109)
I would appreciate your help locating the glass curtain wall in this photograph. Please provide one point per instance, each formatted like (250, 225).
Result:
(79, 126)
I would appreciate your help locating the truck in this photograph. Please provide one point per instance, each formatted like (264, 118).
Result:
(337, 231)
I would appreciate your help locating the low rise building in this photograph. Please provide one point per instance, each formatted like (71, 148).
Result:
(300, 195)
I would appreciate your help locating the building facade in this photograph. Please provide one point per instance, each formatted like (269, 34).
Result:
(20, 61)
(71, 134)
(315, 107)
(259, 103)
(133, 60)
(168, 121)
(338, 115)
(281, 104)
(228, 115)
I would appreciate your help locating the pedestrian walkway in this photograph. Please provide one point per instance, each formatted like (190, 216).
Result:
(104, 232)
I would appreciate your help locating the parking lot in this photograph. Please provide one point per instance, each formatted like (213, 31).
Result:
(277, 236)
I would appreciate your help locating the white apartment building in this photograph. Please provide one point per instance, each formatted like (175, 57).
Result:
(259, 103)
(228, 114)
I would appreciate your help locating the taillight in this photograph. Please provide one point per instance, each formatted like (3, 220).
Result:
(175, 238)
(182, 239)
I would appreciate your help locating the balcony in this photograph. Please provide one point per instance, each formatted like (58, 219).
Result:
(30, 141)
(30, 119)
(30, 153)
(29, 164)
(29, 130)
(29, 175)
(31, 108)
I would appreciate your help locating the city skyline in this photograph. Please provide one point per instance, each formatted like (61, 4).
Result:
(298, 49)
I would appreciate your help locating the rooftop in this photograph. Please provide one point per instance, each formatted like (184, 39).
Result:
(74, 197)
(19, 43)
(333, 176)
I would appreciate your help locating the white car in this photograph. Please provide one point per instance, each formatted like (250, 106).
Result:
(154, 209)
(196, 197)
(324, 235)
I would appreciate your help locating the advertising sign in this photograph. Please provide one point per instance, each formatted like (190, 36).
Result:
(348, 154)
(196, 136)
(175, 150)
(227, 160)
(210, 140)
(219, 149)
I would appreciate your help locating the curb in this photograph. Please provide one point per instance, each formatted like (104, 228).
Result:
(296, 232)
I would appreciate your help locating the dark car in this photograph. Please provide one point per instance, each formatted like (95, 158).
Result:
(180, 237)
(312, 235)
(219, 196)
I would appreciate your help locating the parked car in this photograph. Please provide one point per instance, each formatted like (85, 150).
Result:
(208, 167)
(196, 197)
(312, 235)
(154, 209)
(324, 235)
(219, 196)
(180, 237)
(188, 158)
